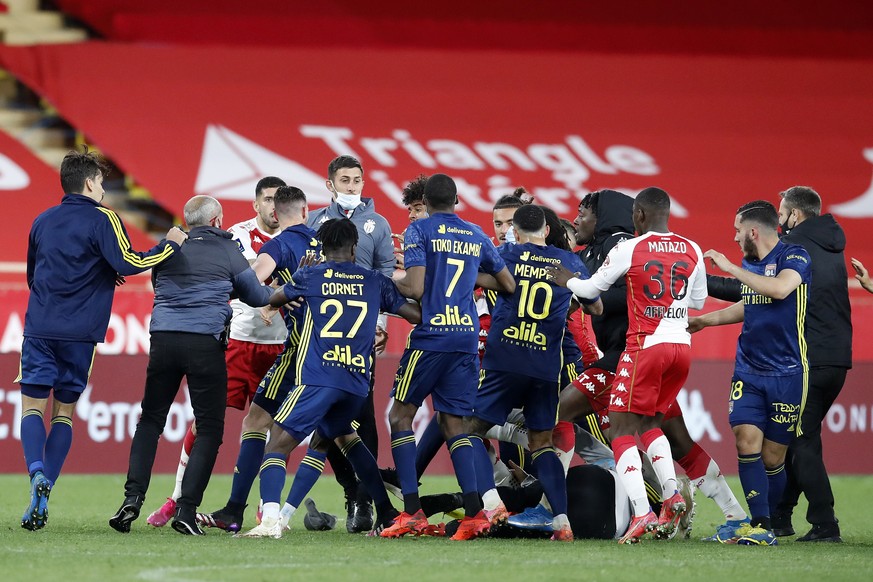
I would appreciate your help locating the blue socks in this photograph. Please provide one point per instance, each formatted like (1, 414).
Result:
(482, 465)
(251, 453)
(777, 478)
(550, 472)
(272, 477)
(403, 451)
(753, 478)
(362, 461)
(57, 445)
(33, 440)
(308, 472)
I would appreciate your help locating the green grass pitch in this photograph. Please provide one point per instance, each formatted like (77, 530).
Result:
(78, 544)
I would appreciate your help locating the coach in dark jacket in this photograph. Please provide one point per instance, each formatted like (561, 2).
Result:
(829, 348)
(187, 340)
(829, 351)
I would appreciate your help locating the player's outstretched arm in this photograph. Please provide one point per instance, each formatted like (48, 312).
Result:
(778, 287)
(726, 316)
(862, 275)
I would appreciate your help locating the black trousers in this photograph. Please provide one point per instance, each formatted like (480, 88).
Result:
(805, 463)
(369, 434)
(200, 359)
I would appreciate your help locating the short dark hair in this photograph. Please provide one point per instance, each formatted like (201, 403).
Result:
(761, 212)
(440, 191)
(267, 182)
(529, 218)
(557, 236)
(337, 234)
(288, 199)
(654, 200)
(517, 199)
(804, 199)
(590, 201)
(414, 191)
(79, 166)
(340, 162)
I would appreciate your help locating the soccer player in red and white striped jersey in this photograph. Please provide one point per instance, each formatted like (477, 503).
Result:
(665, 276)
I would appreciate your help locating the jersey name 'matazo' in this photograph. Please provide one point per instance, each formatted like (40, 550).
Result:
(665, 276)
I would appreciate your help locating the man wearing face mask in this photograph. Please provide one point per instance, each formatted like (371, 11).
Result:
(829, 341)
(375, 250)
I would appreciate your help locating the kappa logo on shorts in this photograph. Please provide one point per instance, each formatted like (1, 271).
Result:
(617, 402)
(589, 386)
(623, 373)
(627, 359)
(620, 387)
(600, 378)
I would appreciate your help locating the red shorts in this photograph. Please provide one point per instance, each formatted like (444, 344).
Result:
(595, 384)
(648, 380)
(247, 363)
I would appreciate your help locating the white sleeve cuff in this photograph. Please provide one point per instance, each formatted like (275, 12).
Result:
(583, 288)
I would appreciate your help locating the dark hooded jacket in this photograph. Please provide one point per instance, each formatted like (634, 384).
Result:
(614, 224)
(829, 314)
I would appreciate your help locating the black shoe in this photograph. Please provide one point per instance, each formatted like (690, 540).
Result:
(315, 520)
(360, 517)
(781, 525)
(385, 520)
(126, 514)
(229, 520)
(185, 522)
(441, 503)
(827, 532)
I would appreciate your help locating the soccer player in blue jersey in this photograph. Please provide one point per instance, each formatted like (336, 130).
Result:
(770, 375)
(523, 363)
(78, 251)
(443, 256)
(333, 369)
(278, 257)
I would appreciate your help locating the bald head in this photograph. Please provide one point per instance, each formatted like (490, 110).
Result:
(202, 211)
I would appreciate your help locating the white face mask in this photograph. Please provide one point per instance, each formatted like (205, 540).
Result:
(348, 201)
(510, 236)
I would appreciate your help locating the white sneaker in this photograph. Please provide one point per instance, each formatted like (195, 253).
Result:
(683, 528)
(284, 521)
(268, 528)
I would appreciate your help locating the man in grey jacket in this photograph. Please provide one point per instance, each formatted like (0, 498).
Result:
(188, 337)
(375, 250)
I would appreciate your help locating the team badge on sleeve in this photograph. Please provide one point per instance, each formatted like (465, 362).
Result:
(770, 270)
(370, 226)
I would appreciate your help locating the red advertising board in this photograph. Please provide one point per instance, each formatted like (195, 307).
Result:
(106, 419)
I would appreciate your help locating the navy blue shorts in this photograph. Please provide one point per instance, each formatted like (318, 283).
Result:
(64, 366)
(571, 371)
(330, 411)
(450, 377)
(280, 379)
(771, 403)
(500, 392)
